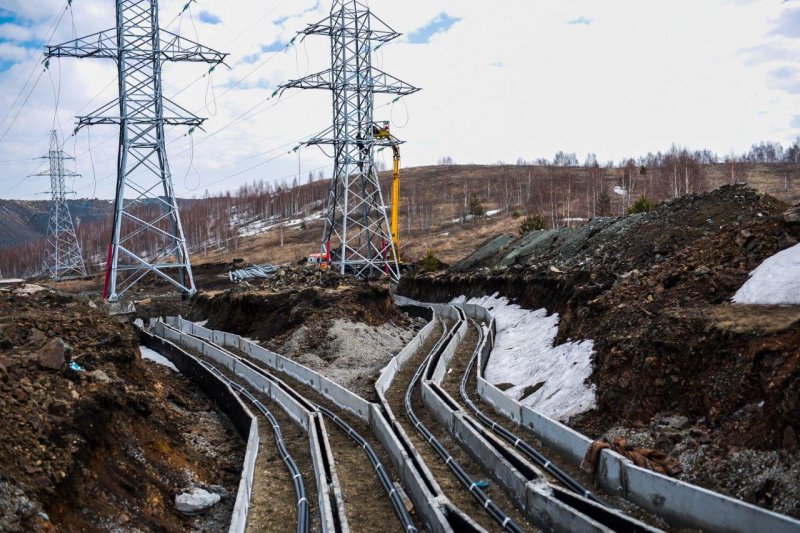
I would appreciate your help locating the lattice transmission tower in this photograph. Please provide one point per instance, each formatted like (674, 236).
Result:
(62, 251)
(356, 237)
(147, 236)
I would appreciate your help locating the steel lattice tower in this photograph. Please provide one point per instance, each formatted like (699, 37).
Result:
(356, 235)
(62, 252)
(147, 236)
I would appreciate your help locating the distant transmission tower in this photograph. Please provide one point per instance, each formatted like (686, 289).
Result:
(62, 252)
(356, 236)
(147, 236)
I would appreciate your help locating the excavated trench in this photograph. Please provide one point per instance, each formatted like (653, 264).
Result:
(448, 482)
(675, 364)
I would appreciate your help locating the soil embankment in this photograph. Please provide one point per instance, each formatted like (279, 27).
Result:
(345, 329)
(110, 443)
(675, 365)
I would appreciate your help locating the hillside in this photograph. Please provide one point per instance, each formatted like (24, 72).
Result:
(268, 223)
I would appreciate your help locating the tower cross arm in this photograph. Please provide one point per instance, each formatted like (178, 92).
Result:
(387, 84)
(102, 44)
(379, 31)
(177, 48)
(320, 80)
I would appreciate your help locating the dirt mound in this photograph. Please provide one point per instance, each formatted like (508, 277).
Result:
(652, 291)
(108, 444)
(343, 328)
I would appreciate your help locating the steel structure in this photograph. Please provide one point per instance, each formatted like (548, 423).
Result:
(62, 251)
(356, 237)
(147, 236)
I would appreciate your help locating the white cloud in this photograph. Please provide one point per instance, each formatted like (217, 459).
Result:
(499, 84)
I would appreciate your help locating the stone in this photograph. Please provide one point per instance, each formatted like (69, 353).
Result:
(195, 501)
(675, 421)
(98, 376)
(53, 355)
(58, 408)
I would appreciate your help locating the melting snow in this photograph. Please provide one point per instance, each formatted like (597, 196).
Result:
(524, 355)
(776, 281)
(156, 357)
(620, 190)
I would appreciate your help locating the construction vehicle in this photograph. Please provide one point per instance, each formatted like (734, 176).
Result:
(384, 134)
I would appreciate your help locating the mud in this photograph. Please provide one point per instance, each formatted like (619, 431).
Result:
(108, 446)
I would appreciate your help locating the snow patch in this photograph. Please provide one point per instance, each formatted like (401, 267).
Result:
(622, 191)
(776, 281)
(524, 356)
(157, 358)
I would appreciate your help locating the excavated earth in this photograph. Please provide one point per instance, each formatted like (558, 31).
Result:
(345, 329)
(108, 446)
(676, 365)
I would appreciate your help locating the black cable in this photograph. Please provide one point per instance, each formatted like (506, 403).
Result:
(288, 460)
(487, 504)
(516, 441)
(394, 497)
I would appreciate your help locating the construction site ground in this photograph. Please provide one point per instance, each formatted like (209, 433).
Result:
(110, 444)
(676, 365)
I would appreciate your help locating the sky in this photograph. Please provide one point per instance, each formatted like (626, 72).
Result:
(500, 81)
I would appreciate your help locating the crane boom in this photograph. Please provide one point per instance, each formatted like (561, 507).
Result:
(396, 201)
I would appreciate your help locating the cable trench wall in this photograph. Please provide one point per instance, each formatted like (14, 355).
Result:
(679, 503)
(432, 509)
(541, 502)
(310, 422)
(229, 402)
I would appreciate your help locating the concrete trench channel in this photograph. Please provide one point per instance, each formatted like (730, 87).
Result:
(429, 445)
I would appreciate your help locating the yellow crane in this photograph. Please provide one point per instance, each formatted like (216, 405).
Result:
(383, 133)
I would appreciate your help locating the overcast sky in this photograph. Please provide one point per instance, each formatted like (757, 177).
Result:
(501, 80)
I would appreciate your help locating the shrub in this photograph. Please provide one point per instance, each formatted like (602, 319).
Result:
(430, 262)
(476, 208)
(604, 204)
(515, 214)
(642, 205)
(531, 223)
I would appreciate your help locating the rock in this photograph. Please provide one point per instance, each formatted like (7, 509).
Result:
(702, 269)
(98, 376)
(53, 354)
(58, 408)
(195, 501)
(674, 421)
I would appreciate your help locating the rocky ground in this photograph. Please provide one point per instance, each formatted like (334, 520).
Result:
(653, 292)
(109, 443)
(345, 329)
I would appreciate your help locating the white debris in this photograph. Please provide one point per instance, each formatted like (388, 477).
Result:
(524, 356)
(28, 289)
(776, 281)
(156, 357)
(195, 501)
